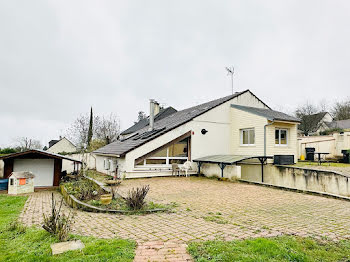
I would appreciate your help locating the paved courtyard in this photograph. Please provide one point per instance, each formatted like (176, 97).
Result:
(207, 209)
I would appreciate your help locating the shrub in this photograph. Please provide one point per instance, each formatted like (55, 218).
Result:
(57, 223)
(136, 197)
(84, 189)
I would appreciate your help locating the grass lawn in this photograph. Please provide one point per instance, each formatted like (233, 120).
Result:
(18, 243)
(284, 248)
(309, 163)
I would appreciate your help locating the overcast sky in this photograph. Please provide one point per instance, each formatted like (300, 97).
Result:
(58, 58)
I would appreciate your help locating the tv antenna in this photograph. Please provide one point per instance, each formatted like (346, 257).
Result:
(230, 70)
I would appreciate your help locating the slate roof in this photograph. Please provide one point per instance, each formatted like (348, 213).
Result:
(145, 122)
(268, 113)
(343, 124)
(313, 122)
(162, 126)
(40, 152)
(22, 174)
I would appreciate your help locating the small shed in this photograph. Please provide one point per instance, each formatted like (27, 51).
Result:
(21, 183)
(47, 167)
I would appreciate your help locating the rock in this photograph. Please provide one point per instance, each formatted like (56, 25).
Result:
(62, 247)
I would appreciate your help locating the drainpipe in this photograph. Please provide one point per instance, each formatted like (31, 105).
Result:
(151, 114)
(265, 126)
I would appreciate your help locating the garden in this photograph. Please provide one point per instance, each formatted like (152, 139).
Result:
(88, 194)
(20, 243)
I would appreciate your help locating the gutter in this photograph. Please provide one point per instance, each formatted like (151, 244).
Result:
(273, 121)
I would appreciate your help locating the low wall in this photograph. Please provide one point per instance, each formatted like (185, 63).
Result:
(231, 172)
(299, 178)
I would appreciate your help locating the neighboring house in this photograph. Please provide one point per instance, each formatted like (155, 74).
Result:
(314, 124)
(45, 166)
(61, 145)
(341, 124)
(236, 125)
(158, 115)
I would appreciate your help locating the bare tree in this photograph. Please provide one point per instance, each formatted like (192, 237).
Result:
(303, 112)
(104, 128)
(25, 143)
(107, 128)
(78, 131)
(341, 110)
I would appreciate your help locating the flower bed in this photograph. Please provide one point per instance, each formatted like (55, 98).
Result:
(85, 194)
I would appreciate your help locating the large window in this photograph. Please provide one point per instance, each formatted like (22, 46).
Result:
(175, 153)
(248, 137)
(281, 137)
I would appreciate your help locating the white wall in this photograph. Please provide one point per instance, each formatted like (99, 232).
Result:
(43, 169)
(218, 139)
(332, 144)
(64, 145)
(89, 159)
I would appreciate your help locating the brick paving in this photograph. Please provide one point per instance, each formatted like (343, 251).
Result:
(206, 209)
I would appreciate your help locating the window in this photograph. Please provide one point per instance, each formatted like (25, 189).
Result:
(12, 182)
(248, 137)
(281, 137)
(175, 153)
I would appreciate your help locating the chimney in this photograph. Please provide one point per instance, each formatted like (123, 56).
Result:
(156, 108)
(151, 114)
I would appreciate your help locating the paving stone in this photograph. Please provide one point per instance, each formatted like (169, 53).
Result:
(62, 247)
(206, 210)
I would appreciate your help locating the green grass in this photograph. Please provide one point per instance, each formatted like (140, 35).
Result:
(18, 243)
(308, 163)
(284, 248)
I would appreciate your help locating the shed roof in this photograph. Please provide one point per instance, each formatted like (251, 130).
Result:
(40, 152)
(162, 126)
(22, 174)
(268, 113)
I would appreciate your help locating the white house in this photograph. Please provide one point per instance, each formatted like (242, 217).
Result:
(63, 145)
(238, 127)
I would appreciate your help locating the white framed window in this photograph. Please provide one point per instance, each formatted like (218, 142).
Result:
(106, 164)
(281, 137)
(175, 153)
(247, 137)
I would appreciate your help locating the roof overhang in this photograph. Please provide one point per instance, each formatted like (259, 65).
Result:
(227, 159)
(40, 152)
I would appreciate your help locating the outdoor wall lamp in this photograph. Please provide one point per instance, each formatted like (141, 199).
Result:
(204, 131)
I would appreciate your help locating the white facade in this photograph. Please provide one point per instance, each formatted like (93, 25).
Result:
(223, 124)
(43, 169)
(64, 145)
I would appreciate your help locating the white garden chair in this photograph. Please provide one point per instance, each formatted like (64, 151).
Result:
(186, 167)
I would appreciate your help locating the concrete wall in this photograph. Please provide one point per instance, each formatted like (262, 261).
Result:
(299, 178)
(332, 144)
(64, 145)
(213, 170)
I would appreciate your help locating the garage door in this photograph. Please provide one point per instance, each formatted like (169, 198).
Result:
(43, 169)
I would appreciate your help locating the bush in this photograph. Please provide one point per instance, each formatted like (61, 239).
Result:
(58, 224)
(8, 150)
(331, 131)
(136, 197)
